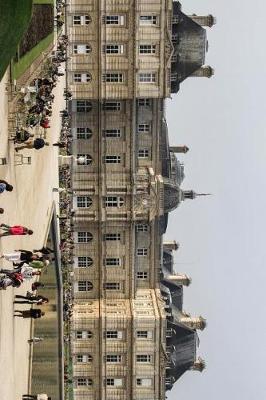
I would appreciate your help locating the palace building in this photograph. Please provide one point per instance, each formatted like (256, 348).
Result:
(131, 338)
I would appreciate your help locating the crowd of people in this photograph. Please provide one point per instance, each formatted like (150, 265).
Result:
(38, 98)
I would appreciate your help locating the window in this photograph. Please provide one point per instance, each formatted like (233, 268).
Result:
(144, 102)
(113, 49)
(147, 77)
(81, 48)
(83, 334)
(84, 237)
(112, 286)
(148, 20)
(87, 157)
(84, 133)
(142, 252)
(144, 128)
(114, 334)
(113, 20)
(84, 286)
(112, 159)
(112, 261)
(144, 334)
(112, 133)
(142, 275)
(143, 358)
(84, 382)
(143, 381)
(84, 201)
(147, 49)
(83, 358)
(113, 382)
(142, 228)
(113, 77)
(112, 236)
(112, 106)
(81, 19)
(174, 37)
(143, 153)
(84, 106)
(113, 358)
(84, 262)
(81, 78)
(114, 201)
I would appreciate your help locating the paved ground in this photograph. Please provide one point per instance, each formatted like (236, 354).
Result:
(30, 205)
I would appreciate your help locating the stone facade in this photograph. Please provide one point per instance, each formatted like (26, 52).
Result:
(128, 317)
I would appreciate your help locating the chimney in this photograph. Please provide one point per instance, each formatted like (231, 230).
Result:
(199, 365)
(194, 322)
(171, 245)
(204, 72)
(179, 279)
(204, 20)
(179, 149)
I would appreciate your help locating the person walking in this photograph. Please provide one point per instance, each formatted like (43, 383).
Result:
(33, 313)
(31, 299)
(14, 230)
(5, 186)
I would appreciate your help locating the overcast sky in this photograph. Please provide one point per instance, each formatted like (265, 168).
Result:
(222, 237)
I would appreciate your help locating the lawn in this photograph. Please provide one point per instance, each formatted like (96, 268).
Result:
(24, 62)
(14, 20)
(43, 1)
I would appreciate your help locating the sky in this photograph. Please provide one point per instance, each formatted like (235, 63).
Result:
(222, 237)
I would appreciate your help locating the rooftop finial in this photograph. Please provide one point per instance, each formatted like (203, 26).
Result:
(190, 194)
(199, 365)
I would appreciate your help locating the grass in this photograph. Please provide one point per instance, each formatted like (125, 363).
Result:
(15, 18)
(24, 62)
(43, 1)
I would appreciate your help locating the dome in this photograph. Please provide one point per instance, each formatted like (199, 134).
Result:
(177, 169)
(172, 196)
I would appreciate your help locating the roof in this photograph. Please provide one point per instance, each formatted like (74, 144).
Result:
(190, 47)
(183, 344)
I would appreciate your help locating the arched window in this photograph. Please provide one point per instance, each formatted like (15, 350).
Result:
(87, 158)
(84, 262)
(84, 133)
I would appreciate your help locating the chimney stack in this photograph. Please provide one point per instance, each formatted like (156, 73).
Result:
(179, 149)
(194, 323)
(204, 20)
(171, 245)
(179, 279)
